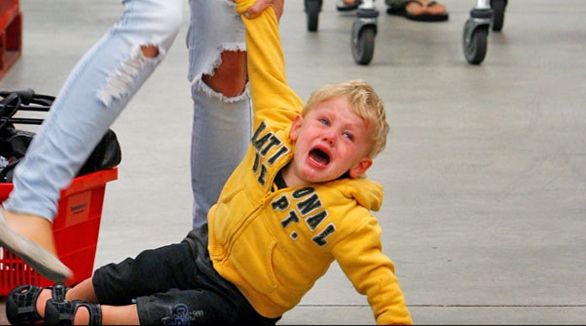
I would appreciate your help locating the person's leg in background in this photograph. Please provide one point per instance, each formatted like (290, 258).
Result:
(221, 103)
(95, 93)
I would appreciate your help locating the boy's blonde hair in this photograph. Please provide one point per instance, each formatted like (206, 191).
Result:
(364, 102)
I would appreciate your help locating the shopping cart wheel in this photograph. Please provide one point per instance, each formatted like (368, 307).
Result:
(364, 30)
(363, 46)
(498, 6)
(474, 46)
(312, 9)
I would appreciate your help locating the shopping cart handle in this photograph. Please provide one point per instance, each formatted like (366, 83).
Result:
(26, 95)
(26, 121)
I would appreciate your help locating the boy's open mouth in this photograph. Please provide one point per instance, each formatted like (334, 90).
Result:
(319, 156)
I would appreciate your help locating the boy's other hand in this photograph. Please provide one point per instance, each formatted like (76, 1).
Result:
(261, 5)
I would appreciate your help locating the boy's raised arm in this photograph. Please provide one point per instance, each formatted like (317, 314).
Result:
(272, 98)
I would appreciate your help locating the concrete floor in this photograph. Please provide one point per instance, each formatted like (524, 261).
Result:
(485, 171)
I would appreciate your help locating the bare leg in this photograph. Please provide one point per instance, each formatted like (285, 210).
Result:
(230, 76)
(83, 291)
(111, 315)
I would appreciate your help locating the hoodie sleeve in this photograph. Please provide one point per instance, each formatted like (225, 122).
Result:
(272, 98)
(372, 273)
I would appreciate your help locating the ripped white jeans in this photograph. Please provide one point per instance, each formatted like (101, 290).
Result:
(221, 125)
(101, 85)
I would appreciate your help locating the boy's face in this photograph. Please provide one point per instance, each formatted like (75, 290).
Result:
(329, 141)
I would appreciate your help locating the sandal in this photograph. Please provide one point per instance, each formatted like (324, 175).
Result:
(21, 304)
(423, 17)
(63, 313)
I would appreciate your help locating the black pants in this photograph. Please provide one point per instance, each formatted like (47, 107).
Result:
(175, 285)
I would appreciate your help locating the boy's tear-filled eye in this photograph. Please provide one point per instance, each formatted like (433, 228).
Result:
(348, 135)
(319, 156)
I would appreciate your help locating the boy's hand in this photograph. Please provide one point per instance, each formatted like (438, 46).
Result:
(261, 5)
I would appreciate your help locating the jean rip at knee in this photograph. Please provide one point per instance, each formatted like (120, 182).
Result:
(120, 82)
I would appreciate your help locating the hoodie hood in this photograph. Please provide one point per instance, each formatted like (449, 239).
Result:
(367, 193)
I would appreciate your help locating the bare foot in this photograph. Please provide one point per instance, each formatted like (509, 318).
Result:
(416, 8)
(422, 10)
(435, 8)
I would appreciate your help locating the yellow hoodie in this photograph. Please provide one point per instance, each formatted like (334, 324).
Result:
(273, 244)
